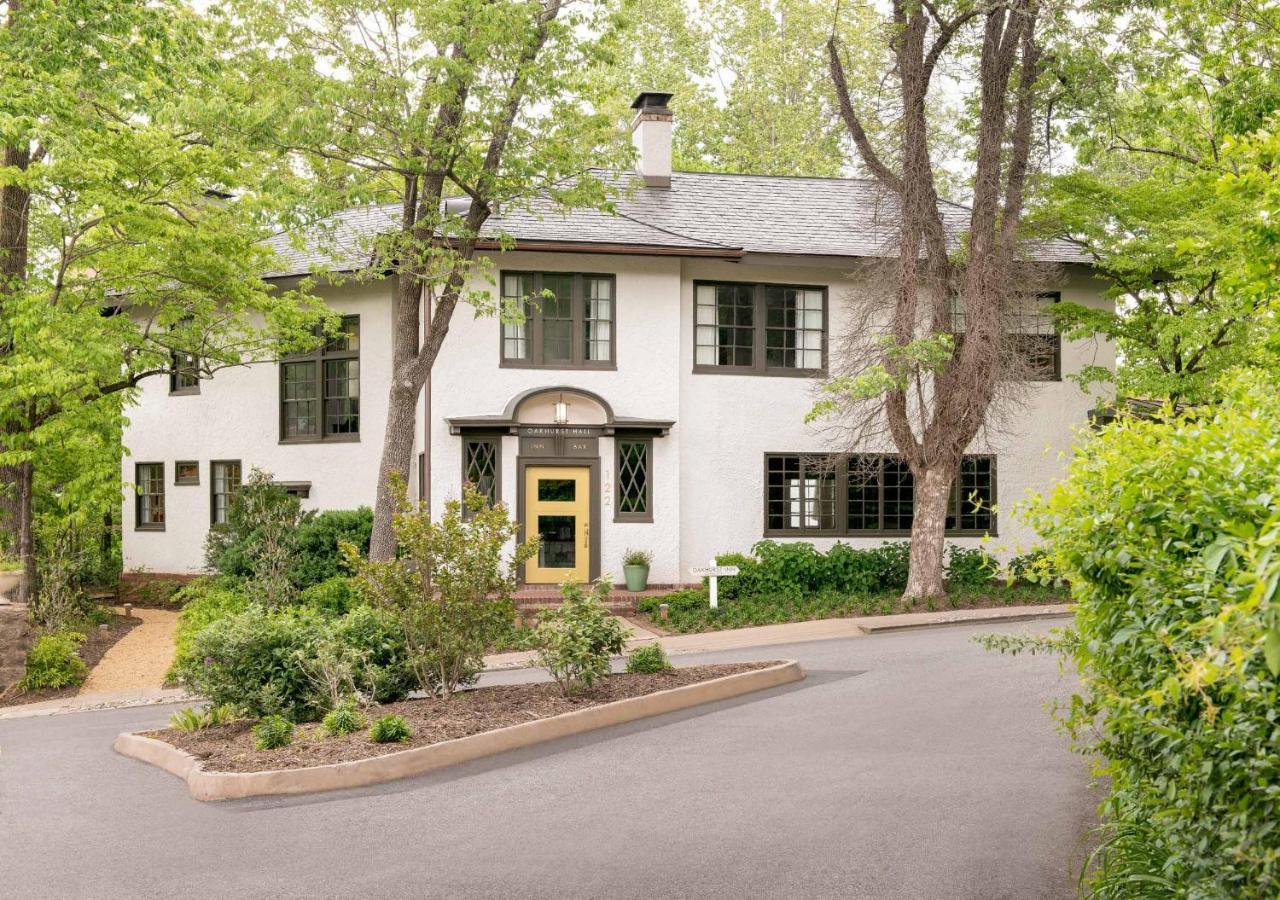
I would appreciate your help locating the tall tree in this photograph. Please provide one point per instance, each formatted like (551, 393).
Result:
(406, 102)
(749, 78)
(1169, 92)
(120, 250)
(932, 392)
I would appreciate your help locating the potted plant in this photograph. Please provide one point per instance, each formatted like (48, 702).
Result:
(635, 566)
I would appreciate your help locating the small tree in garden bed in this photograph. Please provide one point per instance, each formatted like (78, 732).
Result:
(575, 641)
(259, 538)
(443, 583)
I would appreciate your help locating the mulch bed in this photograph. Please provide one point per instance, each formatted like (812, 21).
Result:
(97, 643)
(230, 748)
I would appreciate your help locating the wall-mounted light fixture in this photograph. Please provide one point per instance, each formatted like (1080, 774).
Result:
(562, 411)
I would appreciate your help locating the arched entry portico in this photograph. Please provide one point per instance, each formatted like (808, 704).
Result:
(560, 432)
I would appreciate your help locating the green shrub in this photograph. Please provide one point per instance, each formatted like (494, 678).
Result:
(272, 733)
(893, 559)
(319, 557)
(54, 662)
(259, 540)
(441, 585)
(1033, 567)
(1166, 531)
(390, 730)
(647, 659)
(204, 601)
(575, 640)
(335, 596)
(853, 571)
(745, 583)
(267, 662)
(192, 719)
(970, 567)
(343, 719)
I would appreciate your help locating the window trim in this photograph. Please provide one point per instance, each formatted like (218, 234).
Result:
(178, 480)
(138, 524)
(578, 304)
(1050, 378)
(213, 483)
(618, 514)
(842, 530)
(759, 329)
(319, 356)
(492, 437)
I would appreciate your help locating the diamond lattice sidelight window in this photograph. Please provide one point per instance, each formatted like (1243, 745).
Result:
(480, 466)
(633, 479)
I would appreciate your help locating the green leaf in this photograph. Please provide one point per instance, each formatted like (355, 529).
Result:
(1271, 649)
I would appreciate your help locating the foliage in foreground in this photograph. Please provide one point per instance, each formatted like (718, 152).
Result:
(54, 662)
(192, 719)
(648, 659)
(343, 719)
(449, 587)
(575, 640)
(1168, 533)
(296, 662)
(390, 730)
(272, 733)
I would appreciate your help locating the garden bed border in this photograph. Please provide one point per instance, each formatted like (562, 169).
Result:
(419, 760)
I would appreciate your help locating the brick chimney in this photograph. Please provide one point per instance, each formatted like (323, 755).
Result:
(651, 135)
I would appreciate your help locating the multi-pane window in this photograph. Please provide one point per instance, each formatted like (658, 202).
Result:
(320, 391)
(150, 501)
(224, 481)
(635, 491)
(868, 494)
(480, 465)
(759, 328)
(1032, 344)
(800, 494)
(186, 472)
(565, 320)
(184, 374)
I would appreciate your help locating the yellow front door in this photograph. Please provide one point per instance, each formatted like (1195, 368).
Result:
(557, 506)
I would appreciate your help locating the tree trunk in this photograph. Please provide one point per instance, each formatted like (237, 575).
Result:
(933, 492)
(26, 532)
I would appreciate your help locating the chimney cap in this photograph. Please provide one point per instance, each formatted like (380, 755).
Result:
(651, 100)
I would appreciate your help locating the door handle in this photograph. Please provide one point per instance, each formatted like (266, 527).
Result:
(586, 534)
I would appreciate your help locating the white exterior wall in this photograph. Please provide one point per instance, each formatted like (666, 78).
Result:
(707, 474)
(236, 415)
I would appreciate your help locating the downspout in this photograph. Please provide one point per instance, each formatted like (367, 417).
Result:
(426, 408)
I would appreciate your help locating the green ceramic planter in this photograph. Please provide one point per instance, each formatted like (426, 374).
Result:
(637, 577)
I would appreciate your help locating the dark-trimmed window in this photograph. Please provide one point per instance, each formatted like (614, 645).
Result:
(867, 494)
(186, 472)
(481, 464)
(568, 320)
(320, 390)
(224, 481)
(759, 329)
(634, 501)
(184, 373)
(1031, 338)
(149, 511)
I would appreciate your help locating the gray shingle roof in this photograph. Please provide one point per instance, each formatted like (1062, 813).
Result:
(701, 212)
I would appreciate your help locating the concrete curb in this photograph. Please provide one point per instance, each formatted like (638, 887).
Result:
(376, 770)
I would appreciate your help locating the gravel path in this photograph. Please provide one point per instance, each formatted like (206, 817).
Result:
(140, 659)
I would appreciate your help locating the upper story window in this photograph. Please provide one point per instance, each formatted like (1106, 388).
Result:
(568, 320)
(320, 390)
(1032, 341)
(759, 329)
(184, 374)
(868, 494)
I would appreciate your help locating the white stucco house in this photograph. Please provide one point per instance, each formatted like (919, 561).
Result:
(657, 402)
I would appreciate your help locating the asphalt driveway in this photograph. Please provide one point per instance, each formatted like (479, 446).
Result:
(906, 765)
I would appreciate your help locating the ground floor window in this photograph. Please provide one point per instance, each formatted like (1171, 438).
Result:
(480, 465)
(867, 494)
(635, 490)
(224, 481)
(150, 499)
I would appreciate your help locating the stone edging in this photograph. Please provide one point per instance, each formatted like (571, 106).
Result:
(405, 763)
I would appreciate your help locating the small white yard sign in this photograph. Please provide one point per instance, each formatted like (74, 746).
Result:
(714, 572)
